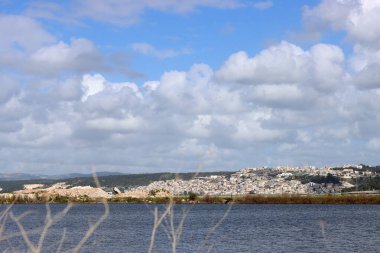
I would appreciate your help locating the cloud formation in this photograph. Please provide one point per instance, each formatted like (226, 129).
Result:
(34, 51)
(60, 110)
(148, 49)
(120, 12)
(22, 32)
(358, 18)
(263, 5)
(236, 113)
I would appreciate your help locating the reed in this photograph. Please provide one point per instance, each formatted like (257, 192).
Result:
(296, 199)
(50, 219)
(245, 199)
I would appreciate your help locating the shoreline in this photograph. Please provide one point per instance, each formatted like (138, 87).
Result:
(246, 199)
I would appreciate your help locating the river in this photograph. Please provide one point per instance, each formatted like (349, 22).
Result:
(206, 228)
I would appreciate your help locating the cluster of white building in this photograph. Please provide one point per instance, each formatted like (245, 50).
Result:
(346, 171)
(247, 181)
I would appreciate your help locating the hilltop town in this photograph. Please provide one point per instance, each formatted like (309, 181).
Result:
(281, 180)
(278, 180)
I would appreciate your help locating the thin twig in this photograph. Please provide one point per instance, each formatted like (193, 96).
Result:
(180, 226)
(323, 225)
(23, 232)
(11, 246)
(156, 224)
(61, 241)
(94, 226)
(48, 223)
(212, 230)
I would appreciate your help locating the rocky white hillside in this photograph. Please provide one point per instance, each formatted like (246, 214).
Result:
(245, 181)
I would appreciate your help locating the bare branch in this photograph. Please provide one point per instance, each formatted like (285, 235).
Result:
(61, 241)
(23, 232)
(94, 226)
(212, 230)
(156, 224)
(48, 223)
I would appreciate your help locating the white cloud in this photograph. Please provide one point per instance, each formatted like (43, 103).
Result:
(200, 126)
(37, 134)
(151, 85)
(9, 88)
(192, 149)
(69, 89)
(368, 77)
(128, 123)
(53, 58)
(286, 103)
(365, 64)
(251, 130)
(374, 144)
(12, 113)
(92, 85)
(120, 12)
(320, 68)
(279, 95)
(29, 49)
(283, 63)
(148, 49)
(62, 54)
(263, 5)
(358, 18)
(283, 102)
(327, 70)
(22, 32)
(79, 56)
(128, 11)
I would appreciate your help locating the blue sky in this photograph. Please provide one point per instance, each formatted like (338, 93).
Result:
(203, 35)
(145, 86)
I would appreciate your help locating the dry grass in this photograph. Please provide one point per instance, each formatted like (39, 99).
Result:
(166, 220)
(297, 199)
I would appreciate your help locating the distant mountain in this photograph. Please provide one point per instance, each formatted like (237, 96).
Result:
(98, 174)
(26, 176)
(19, 176)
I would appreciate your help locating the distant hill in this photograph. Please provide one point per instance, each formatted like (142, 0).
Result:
(18, 176)
(109, 181)
(25, 176)
(10, 186)
(99, 174)
(133, 180)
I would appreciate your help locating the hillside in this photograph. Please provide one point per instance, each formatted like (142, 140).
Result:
(123, 181)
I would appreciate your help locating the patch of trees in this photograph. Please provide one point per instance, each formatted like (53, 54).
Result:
(365, 183)
(328, 179)
(156, 191)
(11, 186)
(373, 169)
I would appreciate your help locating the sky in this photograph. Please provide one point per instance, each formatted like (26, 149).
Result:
(186, 85)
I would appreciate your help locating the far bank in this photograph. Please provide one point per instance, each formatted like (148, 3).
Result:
(246, 199)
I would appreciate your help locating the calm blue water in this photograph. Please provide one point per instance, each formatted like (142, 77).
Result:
(246, 228)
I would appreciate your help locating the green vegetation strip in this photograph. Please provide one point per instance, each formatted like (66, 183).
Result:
(248, 199)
